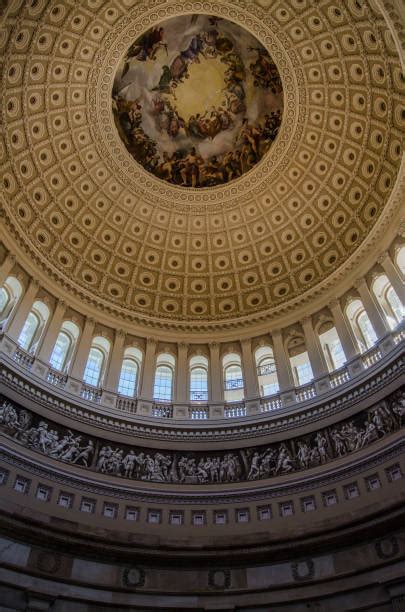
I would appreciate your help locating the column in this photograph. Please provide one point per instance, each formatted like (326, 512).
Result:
(249, 370)
(315, 353)
(344, 332)
(393, 275)
(284, 373)
(181, 395)
(115, 362)
(373, 309)
(22, 312)
(148, 370)
(83, 349)
(215, 380)
(52, 332)
(6, 267)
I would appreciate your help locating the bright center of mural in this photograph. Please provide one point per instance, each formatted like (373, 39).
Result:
(197, 101)
(203, 91)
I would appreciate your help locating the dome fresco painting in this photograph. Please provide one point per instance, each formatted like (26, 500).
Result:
(197, 101)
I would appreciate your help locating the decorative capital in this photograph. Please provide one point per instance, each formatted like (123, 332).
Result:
(382, 257)
(333, 304)
(119, 333)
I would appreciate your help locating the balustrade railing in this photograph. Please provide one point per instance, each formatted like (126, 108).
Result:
(199, 413)
(305, 392)
(371, 357)
(162, 411)
(23, 358)
(339, 377)
(235, 409)
(127, 404)
(232, 411)
(91, 394)
(57, 378)
(272, 402)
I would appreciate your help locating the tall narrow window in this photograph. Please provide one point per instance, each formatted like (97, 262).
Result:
(60, 351)
(233, 377)
(96, 361)
(388, 300)
(128, 377)
(400, 259)
(332, 347)
(10, 293)
(94, 366)
(131, 363)
(33, 327)
(299, 360)
(361, 325)
(64, 346)
(28, 331)
(4, 299)
(164, 375)
(198, 379)
(266, 371)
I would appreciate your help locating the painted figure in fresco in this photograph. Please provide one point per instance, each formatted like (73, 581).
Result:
(146, 47)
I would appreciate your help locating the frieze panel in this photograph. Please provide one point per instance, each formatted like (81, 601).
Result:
(248, 464)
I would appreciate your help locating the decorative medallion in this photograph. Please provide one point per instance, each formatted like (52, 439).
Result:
(197, 100)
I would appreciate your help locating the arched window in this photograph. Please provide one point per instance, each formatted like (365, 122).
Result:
(128, 382)
(164, 375)
(33, 327)
(198, 379)
(4, 299)
(299, 360)
(64, 346)
(400, 259)
(361, 325)
(96, 361)
(233, 377)
(331, 346)
(266, 371)
(28, 331)
(10, 293)
(389, 300)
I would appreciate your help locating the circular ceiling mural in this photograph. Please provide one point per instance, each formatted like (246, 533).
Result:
(197, 101)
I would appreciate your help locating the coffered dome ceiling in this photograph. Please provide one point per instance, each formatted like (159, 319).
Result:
(132, 239)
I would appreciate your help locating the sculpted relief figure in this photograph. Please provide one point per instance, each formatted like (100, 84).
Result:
(198, 468)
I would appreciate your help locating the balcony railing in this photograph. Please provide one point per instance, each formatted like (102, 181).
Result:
(72, 389)
(162, 411)
(231, 385)
(266, 369)
(200, 413)
(199, 396)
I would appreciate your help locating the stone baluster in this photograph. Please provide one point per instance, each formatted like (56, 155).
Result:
(17, 321)
(251, 382)
(83, 349)
(115, 362)
(216, 386)
(393, 275)
(182, 374)
(6, 267)
(373, 309)
(148, 370)
(51, 334)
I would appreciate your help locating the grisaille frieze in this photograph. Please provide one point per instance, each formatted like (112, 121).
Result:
(247, 464)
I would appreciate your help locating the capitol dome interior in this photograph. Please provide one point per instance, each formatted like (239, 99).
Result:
(202, 264)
